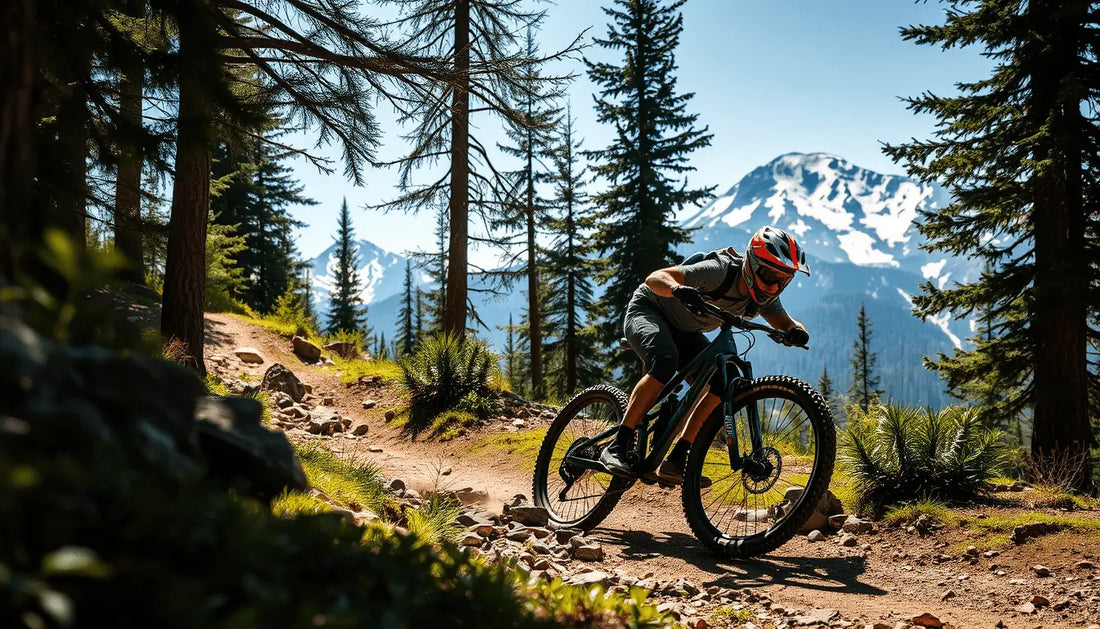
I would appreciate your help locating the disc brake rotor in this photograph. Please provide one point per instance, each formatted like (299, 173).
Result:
(761, 470)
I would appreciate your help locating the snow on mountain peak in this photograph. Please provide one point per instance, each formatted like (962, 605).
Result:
(852, 214)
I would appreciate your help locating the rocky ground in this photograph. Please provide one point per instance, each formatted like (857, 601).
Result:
(844, 572)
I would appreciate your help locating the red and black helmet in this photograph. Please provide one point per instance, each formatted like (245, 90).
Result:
(770, 263)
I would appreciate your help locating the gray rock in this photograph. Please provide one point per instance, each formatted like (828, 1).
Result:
(595, 577)
(343, 349)
(529, 515)
(397, 484)
(837, 521)
(305, 350)
(249, 355)
(469, 495)
(367, 404)
(815, 536)
(471, 539)
(819, 519)
(564, 535)
(241, 451)
(360, 429)
(1041, 571)
(279, 378)
(855, 525)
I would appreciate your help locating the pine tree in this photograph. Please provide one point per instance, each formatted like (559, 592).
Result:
(1018, 151)
(346, 312)
(865, 379)
(480, 41)
(570, 268)
(419, 334)
(515, 368)
(645, 162)
(531, 142)
(259, 192)
(828, 391)
(406, 337)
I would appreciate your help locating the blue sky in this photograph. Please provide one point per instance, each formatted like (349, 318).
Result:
(769, 77)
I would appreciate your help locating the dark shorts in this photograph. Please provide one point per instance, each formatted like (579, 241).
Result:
(663, 348)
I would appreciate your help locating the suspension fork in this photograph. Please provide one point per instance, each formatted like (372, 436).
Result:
(733, 384)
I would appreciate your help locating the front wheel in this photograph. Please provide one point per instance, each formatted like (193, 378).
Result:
(756, 508)
(577, 496)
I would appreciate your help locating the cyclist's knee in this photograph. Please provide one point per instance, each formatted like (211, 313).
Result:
(662, 367)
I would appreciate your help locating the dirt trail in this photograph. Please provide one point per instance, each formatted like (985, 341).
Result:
(647, 532)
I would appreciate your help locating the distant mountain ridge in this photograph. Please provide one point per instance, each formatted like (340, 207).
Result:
(859, 229)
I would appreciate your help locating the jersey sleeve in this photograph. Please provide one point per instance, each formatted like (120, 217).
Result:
(706, 275)
(774, 308)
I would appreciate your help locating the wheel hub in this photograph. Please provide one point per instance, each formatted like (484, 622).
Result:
(761, 470)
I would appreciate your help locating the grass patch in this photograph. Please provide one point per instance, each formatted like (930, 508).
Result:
(434, 521)
(844, 489)
(351, 484)
(450, 424)
(523, 443)
(352, 370)
(571, 606)
(726, 614)
(907, 513)
(291, 504)
(1005, 523)
(283, 327)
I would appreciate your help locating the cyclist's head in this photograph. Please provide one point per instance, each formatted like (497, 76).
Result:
(770, 263)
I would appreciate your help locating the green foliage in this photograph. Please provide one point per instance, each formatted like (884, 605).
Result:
(406, 333)
(865, 380)
(1018, 150)
(224, 278)
(290, 309)
(434, 521)
(351, 483)
(908, 512)
(346, 311)
(897, 454)
(568, 606)
(443, 371)
(646, 164)
(352, 370)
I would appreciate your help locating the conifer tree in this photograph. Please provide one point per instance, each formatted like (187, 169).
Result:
(259, 191)
(514, 363)
(523, 209)
(828, 391)
(570, 268)
(406, 337)
(646, 164)
(1018, 151)
(346, 311)
(865, 380)
(480, 41)
(419, 333)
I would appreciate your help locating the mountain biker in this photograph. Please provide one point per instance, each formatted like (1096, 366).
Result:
(666, 318)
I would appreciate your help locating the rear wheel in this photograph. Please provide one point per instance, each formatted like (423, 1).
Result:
(575, 496)
(756, 509)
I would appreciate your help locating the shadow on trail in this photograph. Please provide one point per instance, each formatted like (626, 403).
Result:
(215, 335)
(840, 574)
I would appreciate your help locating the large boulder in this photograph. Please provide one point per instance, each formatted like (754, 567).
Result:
(279, 378)
(306, 350)
(244, 454)
(343, 349)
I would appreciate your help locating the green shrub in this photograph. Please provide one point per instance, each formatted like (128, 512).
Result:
(434, 521)
(900, 454)
(443, 370)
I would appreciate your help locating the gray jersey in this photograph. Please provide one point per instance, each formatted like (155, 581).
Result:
(707, 276)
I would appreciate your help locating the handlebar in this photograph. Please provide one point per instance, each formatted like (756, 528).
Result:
(727, 319)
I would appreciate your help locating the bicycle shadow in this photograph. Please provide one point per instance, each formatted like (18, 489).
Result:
(839, 574)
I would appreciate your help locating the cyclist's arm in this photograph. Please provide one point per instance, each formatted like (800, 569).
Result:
(782, 321)
(664, 280)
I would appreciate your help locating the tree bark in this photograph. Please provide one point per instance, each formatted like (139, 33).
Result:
(18, 68)
(185, 266)
(454, 315)
(128, 182)
(534, 323)
(1062, 434)
(71, 180)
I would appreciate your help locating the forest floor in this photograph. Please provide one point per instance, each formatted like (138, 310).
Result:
(889, 577)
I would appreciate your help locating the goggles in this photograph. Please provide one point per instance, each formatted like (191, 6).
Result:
(769, 280)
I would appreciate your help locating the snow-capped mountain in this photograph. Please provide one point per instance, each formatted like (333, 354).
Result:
(381, 273)
(858, 229)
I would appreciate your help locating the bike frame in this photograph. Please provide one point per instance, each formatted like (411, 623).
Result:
(721, 357)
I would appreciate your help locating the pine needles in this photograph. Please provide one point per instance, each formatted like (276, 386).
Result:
(443, 371)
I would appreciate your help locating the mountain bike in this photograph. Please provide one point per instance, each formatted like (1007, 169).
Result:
(757, 470)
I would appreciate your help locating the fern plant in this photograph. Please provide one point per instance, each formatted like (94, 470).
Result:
(443, 371)
(898, 454)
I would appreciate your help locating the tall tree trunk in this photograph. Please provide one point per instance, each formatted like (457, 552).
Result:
(1062, 434)
(185, 267)
(18, 68)
(454, 315)
(128, 182)
(570, 306)
(71, 183)
(534, 319)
